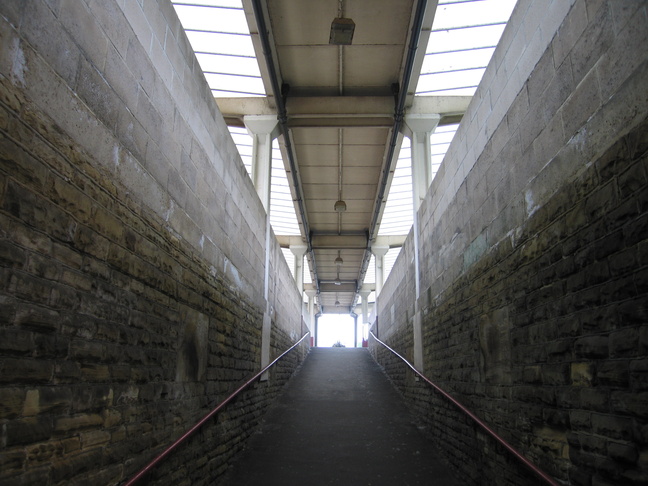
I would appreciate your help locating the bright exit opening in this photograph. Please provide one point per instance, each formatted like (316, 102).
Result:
(337, 329)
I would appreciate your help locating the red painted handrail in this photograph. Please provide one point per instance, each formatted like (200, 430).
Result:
(193, 429)
(479, 422)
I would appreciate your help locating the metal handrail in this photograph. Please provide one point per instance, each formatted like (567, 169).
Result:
(193, 429)
(479, 422)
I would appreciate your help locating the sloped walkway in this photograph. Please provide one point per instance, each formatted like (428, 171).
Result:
(340, 422)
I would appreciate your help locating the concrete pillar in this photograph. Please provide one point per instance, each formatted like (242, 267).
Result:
(419, 128)
(380, 252)
(364, 295)
(355, 330)
(311, 313)
(299, 251)
(263, 128)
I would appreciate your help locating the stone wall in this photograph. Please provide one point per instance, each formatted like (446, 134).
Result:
(132, 252)
(534, 240)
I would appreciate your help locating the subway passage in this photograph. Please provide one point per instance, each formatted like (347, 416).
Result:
(340, 421)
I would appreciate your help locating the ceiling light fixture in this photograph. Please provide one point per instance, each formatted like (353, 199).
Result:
(341, 31)
(340, 206)
(338, 260)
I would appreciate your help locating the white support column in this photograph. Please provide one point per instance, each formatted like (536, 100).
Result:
(380, 252)
(364, 295)
(311, 312)
(419, 128)
(299, 251)
(263, 128)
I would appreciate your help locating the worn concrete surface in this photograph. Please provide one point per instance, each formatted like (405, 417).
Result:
(340, 421)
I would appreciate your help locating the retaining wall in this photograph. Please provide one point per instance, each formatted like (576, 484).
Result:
(132, 252)
(533, 254)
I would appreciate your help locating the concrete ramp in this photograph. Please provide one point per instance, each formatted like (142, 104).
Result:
(340, 421)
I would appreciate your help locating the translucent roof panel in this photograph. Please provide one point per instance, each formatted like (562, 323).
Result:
(439, 144)
(370, 275)
(461, 44)
(390, 259)
(219, 35)
(398, 213)
(282, 209)
(243, 141)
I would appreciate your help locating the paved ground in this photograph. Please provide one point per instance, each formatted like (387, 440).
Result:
(340, 422)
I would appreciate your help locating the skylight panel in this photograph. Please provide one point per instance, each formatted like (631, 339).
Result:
(282, 210)
(219, 35)
(464, 39)
(218, 63)
(232, 44)
(211, 3)
(454, 61)
(450, 82)
(478, 12)
(398, 213)
(243, 142)
(234, 84)
(212, 18)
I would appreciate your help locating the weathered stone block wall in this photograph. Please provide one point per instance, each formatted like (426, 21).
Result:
(132, 252)
(533, 256)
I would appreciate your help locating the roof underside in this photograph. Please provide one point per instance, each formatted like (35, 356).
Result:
(340, 106)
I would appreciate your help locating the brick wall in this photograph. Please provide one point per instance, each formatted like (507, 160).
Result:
(132, 252)
(533, 250)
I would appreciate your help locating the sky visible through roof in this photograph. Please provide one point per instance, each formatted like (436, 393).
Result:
(462, 41)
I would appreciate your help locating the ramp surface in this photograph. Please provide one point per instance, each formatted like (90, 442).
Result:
(340, 422)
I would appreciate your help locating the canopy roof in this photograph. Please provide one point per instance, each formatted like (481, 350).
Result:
(341, 131)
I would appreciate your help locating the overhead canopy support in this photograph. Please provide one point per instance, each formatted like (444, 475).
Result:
(343, 111)
(342, 242)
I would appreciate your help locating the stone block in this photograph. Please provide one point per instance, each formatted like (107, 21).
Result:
(25, 370)
(582, 374)
(630, 403)
(613, 373)
(623, 451)
(16, 342)
(28, 430)
(614, 67)
(81, 24)
(21, 166)
(557, 374)
(594, 41)
(613, 427)
(624, 343)
(592, 347)
(65, 425)
(11, 402)
(11, 463)
(62, 55)
(86, 351)
(95, 373)
(38, 212)
(94, 438)
(11, 255)
(54, 399)
(596, 399)
(569, 33)
(74, 464)
(43, 452)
